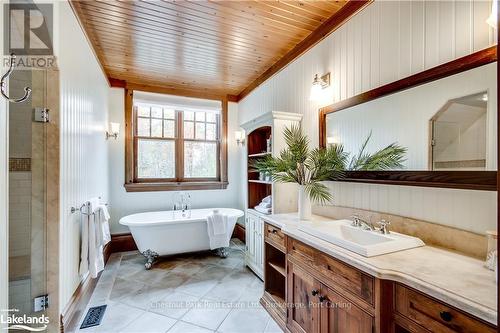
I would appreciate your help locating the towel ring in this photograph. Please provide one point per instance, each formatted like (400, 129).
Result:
(3, 84)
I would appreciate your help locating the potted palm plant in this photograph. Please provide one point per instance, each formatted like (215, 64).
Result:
(309, 168)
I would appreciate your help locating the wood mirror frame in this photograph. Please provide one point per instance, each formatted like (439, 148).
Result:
(473, 180)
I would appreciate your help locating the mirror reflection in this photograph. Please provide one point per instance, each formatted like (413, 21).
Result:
(445, 125)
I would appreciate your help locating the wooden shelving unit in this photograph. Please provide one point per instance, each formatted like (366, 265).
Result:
(265, 128)
(275, 282)
(257, 148)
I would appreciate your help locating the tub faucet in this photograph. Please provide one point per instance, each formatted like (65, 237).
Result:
(181, 201)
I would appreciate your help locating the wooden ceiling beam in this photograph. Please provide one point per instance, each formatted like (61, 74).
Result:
(117, 83)
(332, 24)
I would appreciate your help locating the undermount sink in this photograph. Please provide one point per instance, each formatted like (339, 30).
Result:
(364, 242)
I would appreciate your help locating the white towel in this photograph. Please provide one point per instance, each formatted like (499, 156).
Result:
(267, 199)
(95, 234)
(265, 205)
(217, 230)
(104, 224)
(263, 210)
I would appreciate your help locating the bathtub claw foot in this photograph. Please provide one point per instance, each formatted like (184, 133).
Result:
(151, 257)
(222, 252)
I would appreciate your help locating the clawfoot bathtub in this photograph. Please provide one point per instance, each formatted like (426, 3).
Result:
(173, 232)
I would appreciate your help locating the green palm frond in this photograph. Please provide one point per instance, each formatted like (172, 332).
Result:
(318, 192)
(297, 164)
(388, 158)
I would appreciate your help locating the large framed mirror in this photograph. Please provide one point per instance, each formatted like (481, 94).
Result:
(445, 119)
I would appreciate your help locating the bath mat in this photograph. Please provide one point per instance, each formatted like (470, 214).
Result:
(94, 316)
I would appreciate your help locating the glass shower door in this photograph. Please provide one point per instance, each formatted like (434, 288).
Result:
(27, 195)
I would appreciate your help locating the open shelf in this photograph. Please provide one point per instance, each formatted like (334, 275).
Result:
(257, 147)
(275, 277)
(279, 267)
(260, 154)
(260, 181)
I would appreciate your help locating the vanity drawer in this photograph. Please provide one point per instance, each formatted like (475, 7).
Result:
(333, 272)
(274, 236)
(435, 316)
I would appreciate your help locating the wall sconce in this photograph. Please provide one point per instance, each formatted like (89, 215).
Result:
(114, 130)
(319, 84)
(240, 137)
(493, 18)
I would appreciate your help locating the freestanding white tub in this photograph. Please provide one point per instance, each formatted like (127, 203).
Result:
(173, 232)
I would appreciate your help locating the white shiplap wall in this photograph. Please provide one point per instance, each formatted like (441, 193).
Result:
(84, 150)
(386, 41)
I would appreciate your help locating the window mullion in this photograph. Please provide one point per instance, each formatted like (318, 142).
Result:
(179, 147)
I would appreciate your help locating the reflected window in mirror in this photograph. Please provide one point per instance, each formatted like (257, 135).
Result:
(458, 139)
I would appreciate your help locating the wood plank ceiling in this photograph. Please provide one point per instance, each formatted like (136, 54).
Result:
(206, 47)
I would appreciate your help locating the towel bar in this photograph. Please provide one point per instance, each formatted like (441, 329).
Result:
(80, 209)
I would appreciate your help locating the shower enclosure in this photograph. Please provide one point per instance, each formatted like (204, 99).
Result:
(28, 172)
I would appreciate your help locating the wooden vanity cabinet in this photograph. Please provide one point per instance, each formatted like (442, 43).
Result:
(419, 313)
(326, 295)
(339, 315)
(325, 309)
(303, 313)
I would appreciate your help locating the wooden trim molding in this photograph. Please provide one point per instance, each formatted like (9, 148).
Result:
(470, 180)
(350, 9)
(117, 83)
(134, 185)
(473, 180)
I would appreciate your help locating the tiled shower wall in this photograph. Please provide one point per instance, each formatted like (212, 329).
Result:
(20, 150)
(19, 213)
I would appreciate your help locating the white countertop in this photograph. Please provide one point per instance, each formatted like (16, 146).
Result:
(455, 279)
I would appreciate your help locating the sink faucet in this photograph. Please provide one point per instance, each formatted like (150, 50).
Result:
(360, 223)
(384, 227)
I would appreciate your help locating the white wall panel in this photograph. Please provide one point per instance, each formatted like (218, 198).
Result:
(431, 32)
(84, 150)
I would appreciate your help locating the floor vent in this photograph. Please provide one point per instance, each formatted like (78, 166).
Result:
(94, 316)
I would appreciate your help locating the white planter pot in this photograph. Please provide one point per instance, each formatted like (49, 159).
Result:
(304, 204)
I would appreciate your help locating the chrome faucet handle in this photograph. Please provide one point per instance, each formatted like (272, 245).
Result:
(356, 220)
(384, 226)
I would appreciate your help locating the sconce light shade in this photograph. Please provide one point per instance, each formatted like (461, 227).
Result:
(319, 84)
(240, 137)
(315, 91)
(114, 130)
(493, 18)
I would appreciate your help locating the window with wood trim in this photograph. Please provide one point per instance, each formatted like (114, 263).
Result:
(175, 147)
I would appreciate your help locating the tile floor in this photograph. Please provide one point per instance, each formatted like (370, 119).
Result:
(197, 293)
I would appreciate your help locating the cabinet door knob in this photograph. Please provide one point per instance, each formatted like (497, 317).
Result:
(314, 292)
(445, 315)
(322, 298)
